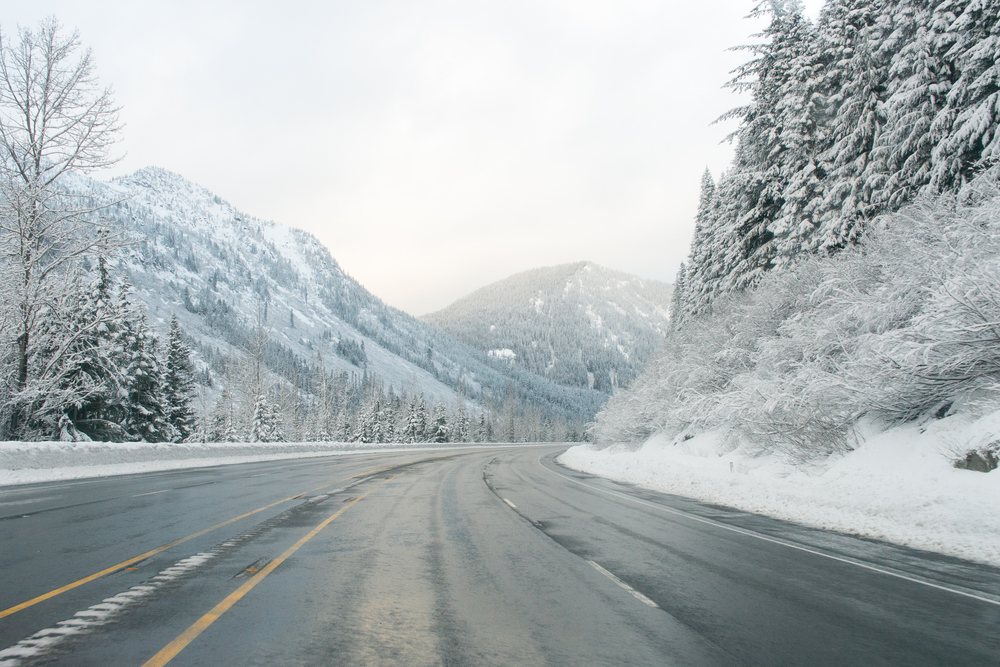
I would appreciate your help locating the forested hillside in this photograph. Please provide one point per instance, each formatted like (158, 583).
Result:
(227, 269)
(844, 270)
(579, 325)
(284, 344)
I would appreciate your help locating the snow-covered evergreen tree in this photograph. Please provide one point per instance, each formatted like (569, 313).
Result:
(387, 418)
(266, 422)
(855, 116)
(769, 153)
(679, 298)
(222, 425)
(179, 382)
(483, 431)
(416, 424)
(693, 284)
(368, 428)
(920, 76)
(857, 58)
(970, 128)
(83, 369)
(461, 421)
(344, 426)
(145, 406)
(438, 429)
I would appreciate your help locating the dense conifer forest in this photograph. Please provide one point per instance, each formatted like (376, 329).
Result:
(850, 116)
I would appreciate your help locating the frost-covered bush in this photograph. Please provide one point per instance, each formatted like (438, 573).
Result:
(902, 325)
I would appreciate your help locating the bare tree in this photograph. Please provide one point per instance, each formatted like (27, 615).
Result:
(54, 119)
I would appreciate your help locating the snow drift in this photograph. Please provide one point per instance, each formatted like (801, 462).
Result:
(898, 485)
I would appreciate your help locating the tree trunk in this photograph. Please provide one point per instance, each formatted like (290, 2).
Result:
(22, 360)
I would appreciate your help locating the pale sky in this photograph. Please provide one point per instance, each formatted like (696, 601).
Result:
(433, 146)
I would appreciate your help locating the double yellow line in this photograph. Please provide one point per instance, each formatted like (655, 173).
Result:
(168, 652)
(136, 559)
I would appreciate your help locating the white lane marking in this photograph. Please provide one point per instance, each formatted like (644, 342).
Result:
(261, 474)
(84, 621)
(636, 594)
(151, 493)
(978, 595)
(510, 503)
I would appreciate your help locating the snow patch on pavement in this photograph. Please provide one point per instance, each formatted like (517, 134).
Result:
(898, 485)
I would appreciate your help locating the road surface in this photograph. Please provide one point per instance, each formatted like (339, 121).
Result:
(479, 556)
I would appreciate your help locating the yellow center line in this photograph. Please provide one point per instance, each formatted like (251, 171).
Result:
(136, 559)
(168, 652)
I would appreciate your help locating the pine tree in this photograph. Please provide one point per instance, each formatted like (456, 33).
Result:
(179, 382)
(970, 126)
(438, 428)
(459, 421)
(462, 423)
(417, 423)
(693, 284)
(919, 79)
(853, 37)
(774, 139)
(146, 406)
(266, 422)
(219, 421)
(88, 379)
(344, 425)
(802, 134)
(387, 419)
(482, 430)
(232, 432)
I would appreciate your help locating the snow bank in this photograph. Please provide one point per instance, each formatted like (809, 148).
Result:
(30, 462)
(898, 485)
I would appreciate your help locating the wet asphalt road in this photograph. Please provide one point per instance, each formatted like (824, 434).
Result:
(487, 556)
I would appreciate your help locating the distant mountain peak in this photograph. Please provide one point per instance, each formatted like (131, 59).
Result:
(579, 324)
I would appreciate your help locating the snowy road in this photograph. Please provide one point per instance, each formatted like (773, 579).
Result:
(481, 556)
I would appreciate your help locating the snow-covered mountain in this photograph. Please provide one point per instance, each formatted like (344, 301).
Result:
(220, 270)
(581, 325)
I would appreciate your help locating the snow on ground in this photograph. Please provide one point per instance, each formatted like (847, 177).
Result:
(31, 462)
(899, 485)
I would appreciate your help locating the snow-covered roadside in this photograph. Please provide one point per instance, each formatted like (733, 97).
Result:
(898, 485)
(30, 462)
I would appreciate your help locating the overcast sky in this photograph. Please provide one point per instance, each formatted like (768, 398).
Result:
(433, 146)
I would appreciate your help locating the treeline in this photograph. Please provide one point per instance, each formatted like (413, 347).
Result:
(849, 117)
(359, 408)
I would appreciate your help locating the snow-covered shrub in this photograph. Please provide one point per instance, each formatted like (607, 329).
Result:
(952, 346)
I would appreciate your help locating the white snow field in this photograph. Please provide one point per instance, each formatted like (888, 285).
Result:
(31, 462)
(898, 485)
